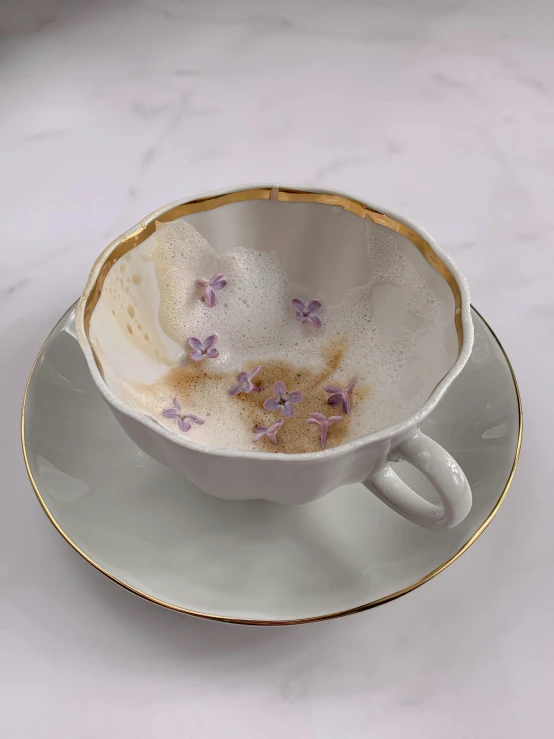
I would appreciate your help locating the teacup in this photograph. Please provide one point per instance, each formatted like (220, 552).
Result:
(321, 238)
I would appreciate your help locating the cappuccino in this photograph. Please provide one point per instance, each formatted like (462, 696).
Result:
(386, 337)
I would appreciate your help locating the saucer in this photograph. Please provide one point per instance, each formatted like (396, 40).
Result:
(254, 562)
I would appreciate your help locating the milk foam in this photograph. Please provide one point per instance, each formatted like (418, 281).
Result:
(396, 369)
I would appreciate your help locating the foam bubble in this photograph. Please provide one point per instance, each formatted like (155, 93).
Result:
(255, 323)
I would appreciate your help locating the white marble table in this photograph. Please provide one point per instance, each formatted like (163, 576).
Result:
(443, 110)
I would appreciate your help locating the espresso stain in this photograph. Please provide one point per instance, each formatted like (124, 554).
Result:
(296, 435)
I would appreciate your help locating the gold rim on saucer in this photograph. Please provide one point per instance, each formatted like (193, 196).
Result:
(311, 619)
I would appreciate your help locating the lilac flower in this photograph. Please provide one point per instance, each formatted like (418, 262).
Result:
(211, 287)
(324, 424)
(245, 383)
(201, 350)
(271, 433)
(184, 420)
(341, 397)
(283, 401)
(307, 313)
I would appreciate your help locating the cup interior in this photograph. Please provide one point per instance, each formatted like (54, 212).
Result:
(385, 295)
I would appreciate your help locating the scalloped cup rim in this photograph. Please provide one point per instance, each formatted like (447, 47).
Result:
(403, 426)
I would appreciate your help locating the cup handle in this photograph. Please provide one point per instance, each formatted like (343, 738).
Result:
(442, 471)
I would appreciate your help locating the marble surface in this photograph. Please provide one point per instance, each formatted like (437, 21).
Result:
(443, 110)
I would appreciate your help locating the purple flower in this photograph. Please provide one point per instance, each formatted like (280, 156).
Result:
(245, 383)
(201, 350)
(184, 420)
(341, 397)
(307, 313)
(323, 424)
(211, 287)
(271, 433)
(283, 401)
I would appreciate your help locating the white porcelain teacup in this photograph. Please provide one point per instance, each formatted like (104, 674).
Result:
(320, 239)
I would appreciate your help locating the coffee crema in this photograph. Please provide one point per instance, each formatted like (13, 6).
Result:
(199, 386)
(386, 335)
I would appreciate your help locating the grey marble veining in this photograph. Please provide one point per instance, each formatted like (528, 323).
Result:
(443, 110)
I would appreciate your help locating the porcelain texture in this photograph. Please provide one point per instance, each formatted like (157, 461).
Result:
(254, 561)
(289, 478)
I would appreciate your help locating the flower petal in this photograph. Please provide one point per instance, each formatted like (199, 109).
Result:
(176, 404)
(197, 356)
(271, 404)
(218, 281)
(209, 296)
(170, 413)
(314, 320)
(324, 429)
(195, 343)
(334, 419)
(295, 397)
(212, 353)
(259, 435)
(350, 386)
(288, 410)
(253, 372)
(280, 390)
(346, 403)
(273, 429)
(299, 305)
(200, 281)
(236, 390)
(195, 419)
(333, 389)
(313, 306)
(335, 399)
(184, 425)
(242, 377)
(210, 341)
(317, 417)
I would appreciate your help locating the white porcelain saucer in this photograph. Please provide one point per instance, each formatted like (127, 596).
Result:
(254, 562)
